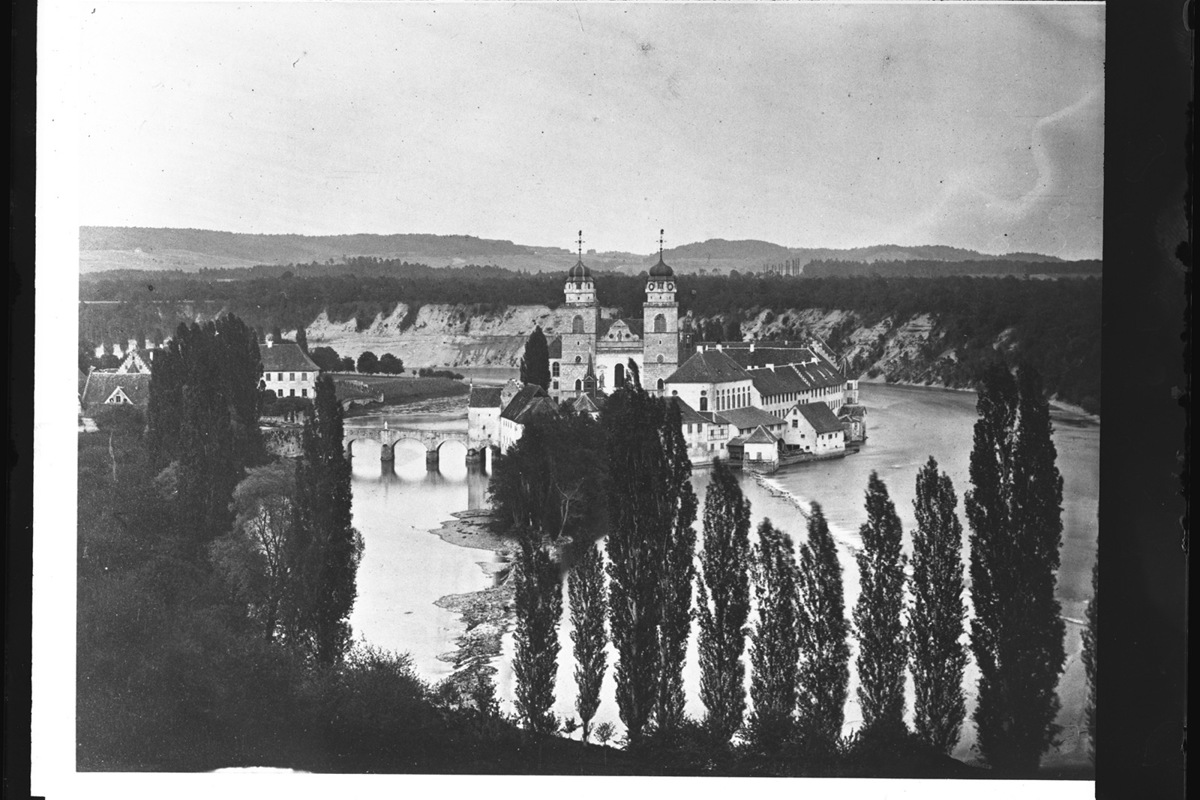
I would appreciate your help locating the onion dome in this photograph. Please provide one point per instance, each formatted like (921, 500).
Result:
(579, 272)
(661, 270)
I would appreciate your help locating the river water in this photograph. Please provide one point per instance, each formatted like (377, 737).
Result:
(406, 568)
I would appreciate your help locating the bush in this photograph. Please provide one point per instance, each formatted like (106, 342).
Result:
(119, 418)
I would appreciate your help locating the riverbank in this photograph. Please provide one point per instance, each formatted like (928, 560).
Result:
(1055, 403)
(487, 613)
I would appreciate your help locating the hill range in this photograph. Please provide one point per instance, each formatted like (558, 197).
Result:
(190, 250)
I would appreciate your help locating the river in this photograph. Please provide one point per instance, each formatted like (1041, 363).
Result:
(406, 568)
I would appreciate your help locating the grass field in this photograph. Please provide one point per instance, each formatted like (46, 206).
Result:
(397, 389)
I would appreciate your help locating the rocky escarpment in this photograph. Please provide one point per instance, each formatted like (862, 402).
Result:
(912, 349)
(443, 334)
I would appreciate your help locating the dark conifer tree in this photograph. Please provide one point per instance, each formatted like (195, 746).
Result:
(325, 549)
(774, 642)
(165, 407)
(1015, 513)
(882, 654)
(733, 330)
(538, 602)
(676, 624)
(1090, 633)
(276, 334)
(724, 602)
(589, 608)
(936, 623)
(302, 339)
(535, 363)
(824, 672)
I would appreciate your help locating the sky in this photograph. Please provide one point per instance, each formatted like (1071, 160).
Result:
(807, 125)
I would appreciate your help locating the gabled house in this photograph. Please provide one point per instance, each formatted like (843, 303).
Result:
(528, 405)
(813, 428)
(115, 388)
(483, 417)
(287, 371)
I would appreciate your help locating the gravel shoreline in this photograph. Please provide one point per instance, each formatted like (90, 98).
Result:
(488, 612)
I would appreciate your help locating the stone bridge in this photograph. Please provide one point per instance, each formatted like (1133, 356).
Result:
(387, 437)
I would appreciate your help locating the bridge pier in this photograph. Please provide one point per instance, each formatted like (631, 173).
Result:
(431, 460)
(387, 453)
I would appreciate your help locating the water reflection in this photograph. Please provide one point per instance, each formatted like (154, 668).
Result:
(406, 568)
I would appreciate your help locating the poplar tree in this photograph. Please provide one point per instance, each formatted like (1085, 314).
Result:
(535, 362)
(325, 549)
(724, 602)
(1090, 633)
(1015, 513)
(538, 600)
(646, 507)
(302, 339)
(775, 639)
(882, 655)
(824, 672)
(679, 571)
(585, 590)
(936, 622)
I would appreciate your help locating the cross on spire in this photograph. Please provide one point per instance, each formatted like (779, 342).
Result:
(580, 242)
(661, 231)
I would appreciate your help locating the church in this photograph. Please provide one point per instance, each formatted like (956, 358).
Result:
(595, 354)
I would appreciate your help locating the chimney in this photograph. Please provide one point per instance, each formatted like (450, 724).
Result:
(752, 347)
(270, 342)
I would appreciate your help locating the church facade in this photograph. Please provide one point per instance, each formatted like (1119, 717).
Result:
(601, 349)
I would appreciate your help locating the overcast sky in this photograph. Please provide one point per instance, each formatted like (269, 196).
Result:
(808, 125)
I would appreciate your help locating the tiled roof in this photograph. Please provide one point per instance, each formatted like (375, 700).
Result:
(583, 403)
(286, 356)
(801, 367)
(101, 385)
(484, 397)
(761, 436)
(750, 417)
(538, 409)
(687, 414)
(713, 418)
(555, 347)
(711, 366)
(852, 411)
(521, 399)
(819, 417)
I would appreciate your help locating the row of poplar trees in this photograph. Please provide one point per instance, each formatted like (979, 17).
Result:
(799, 645)
(278, 533)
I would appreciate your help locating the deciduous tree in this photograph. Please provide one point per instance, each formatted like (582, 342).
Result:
(1015, 513)
(325, 549)
(882, 651)
(774, 641)
(538, 601)
(724, 602)
(824, 671)
(368, 363)
(589, 608)
(936, 622)
(1090, 633)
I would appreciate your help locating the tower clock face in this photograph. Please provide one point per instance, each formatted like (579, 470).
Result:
(670, 287)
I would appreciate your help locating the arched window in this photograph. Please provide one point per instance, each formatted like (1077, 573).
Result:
(577, 324)
(661, 384)
(660, 358)
(704, 404)
(554, 369)
(660, 324)
(578, 385)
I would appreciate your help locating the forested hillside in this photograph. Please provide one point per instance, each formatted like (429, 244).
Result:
(923, 330)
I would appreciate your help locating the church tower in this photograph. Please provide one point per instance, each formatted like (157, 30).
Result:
(579, 341)
(660, 316)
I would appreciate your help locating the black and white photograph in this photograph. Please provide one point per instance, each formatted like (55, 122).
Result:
(682, 389)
